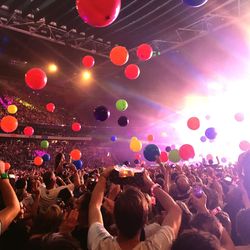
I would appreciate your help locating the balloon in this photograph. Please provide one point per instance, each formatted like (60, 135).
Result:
(101, 113)
(12, 109)
(46, 157)
(50, 107)
(76, 127)
(135, 146)
(76, 154)
(151, 151)
(150, 137)
(195, 3)
(113, 138)
(193, 123)
(44, 144)
(239, 117)
(119, 55)
(207, 117)
(98, 13)
(244, 145)
(133, 138)
(136, 161)
(168, 149)
(7, 166)
(123, 121)
(78, 164)
(164, 156)
(203, 138)
(88, 61)
(137, 156)
(211, 133)
(38, 161)
(9, 124)
(224, 159)
(173, 146)
(36, 78)
(186, 152)
(132, 71)
(174, 156)
(144, 52)
(29, 131)
(121, 105)
(209, 157)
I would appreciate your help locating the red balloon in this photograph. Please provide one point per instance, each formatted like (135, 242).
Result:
(186, 152)
(76, 126)
(164, 156)
(239, 117)
(193, 123)
(7, 166)
(119, 55)
(137, 156)
(132, 71)
(38, 161)
(76, 154)
(29, 131)
(50, 107)
(98, 13)
(144, 52)
(88, 61)
(36, 79)
(244, 145)
(9, 124)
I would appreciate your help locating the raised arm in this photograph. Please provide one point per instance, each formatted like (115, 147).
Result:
(12, 206)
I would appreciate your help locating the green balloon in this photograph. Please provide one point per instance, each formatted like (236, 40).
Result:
(121, 105)
(174, 156)
(44, 144)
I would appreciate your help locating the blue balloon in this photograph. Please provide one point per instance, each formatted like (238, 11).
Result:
(168, 149)
(151, 151)
(211, 133)
(78, 164)
(113, 138)
(46, 157)
(195, 3)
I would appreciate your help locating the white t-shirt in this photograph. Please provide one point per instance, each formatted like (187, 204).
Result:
(48, 197)
(100, 239)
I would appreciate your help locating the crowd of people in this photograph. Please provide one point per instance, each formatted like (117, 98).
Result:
(168, 206)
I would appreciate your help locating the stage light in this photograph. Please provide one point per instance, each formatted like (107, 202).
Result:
(52, 68)
(86, 75)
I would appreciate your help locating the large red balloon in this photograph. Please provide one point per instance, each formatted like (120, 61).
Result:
(132, 71)
(119, 55)
(193, 123)
(9, 124)
(98, 13)
(36, 79)
(144, 52)
(50, 107)
(88, 61)
(76, 154)
(29, 131)
(164, 156)
(186, 152)
(76, 126)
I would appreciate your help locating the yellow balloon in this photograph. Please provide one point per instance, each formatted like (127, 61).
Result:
(12, 109)
(134, 138)
(135, 146)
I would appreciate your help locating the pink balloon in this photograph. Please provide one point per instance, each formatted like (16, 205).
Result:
(29, 131)
(186, 152)
(244, 145)
(76, 126)
(193, 123)
(164, 156)
(239, 117)
(132, 71)
(144, 52)
(88, 61)
(98, 13)
(36, 78)
(50, 107)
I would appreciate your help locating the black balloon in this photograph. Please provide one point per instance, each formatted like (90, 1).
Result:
(123, 121)
(101, 113)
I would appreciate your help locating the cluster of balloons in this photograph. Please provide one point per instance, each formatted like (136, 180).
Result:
(135, 145)
(36, 79)
(76, 154)
(9, 124)
(98, 13)
(88, 61)
(101, 113)
(50, 107)
(76, 126)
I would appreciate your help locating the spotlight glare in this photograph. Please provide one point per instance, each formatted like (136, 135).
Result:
(86, 75)
(52, 68)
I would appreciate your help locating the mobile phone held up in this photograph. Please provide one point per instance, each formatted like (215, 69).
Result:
(124, 175)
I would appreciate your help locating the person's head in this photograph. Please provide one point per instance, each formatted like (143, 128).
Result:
(59, 157)
(206, 222)
(182, 183)
(196, 240)
(130, 212)
(21, 183)
(49, 179)
(53, 241)
(243, 225)
(49, 221)
(66, 196)
(83, 206)
(212, 198)
(186, 216)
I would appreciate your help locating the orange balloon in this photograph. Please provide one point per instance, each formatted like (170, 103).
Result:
(9, 124)
(76, 154)
(150, 137)
(7, 166)
(119, 55)
(38, 161)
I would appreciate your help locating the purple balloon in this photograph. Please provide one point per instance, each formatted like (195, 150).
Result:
(211, 133)
(203, 138)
